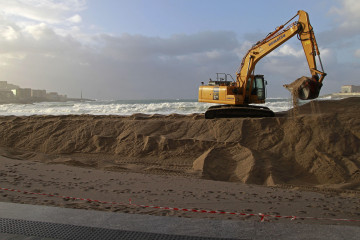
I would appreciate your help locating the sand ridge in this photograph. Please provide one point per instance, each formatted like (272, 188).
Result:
(318, 147)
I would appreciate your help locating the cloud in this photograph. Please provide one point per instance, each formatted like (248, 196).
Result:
(287, 50)
(46, 11)
(345, 28)
(116, 67)
(180, 44)
(348, 14)
(8, 33)
(136, 66)
(75, 19)
(357, 53)
(39, 31)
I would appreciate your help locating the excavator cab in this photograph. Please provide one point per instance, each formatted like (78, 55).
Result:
(257, 92)
(259, 83)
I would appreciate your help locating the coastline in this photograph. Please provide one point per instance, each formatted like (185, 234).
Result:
(340, 95)
(31, 101)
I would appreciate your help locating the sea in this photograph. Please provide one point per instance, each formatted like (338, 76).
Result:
(124, 107)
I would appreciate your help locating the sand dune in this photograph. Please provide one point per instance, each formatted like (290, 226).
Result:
(318, 147)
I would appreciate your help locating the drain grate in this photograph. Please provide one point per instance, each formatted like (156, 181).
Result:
(67, 231)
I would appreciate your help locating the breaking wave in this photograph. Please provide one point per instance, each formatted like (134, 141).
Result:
(123, 107)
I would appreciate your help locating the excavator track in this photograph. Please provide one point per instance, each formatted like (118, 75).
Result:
(238, 111)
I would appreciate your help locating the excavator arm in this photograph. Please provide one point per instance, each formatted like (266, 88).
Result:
(303, 29)
(311, 49)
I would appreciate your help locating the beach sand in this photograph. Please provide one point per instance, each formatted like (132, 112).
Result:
(305, 165)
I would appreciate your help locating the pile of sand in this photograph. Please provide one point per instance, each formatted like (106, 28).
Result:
(320, 147)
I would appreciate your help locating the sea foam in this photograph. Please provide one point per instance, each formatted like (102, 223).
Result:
(122, 107)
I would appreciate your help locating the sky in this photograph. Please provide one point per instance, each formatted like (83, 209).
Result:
(164, 49)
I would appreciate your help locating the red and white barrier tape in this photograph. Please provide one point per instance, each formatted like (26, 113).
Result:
(130, 203)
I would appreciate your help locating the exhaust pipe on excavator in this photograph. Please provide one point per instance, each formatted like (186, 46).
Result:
(305, 88)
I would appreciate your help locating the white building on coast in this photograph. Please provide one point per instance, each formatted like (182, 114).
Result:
(350, 89)
(347, 91)
(10, 93)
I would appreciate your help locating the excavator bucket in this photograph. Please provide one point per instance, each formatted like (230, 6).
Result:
(304, 88)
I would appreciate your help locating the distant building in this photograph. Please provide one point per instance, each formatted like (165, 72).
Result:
(4, 85)
(63, 97)
(6, 95)
(350, 89)
(38, 93)
(22, 93)
(52, 96)
(10, 93)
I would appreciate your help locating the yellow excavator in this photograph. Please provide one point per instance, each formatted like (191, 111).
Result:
(236, 96)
